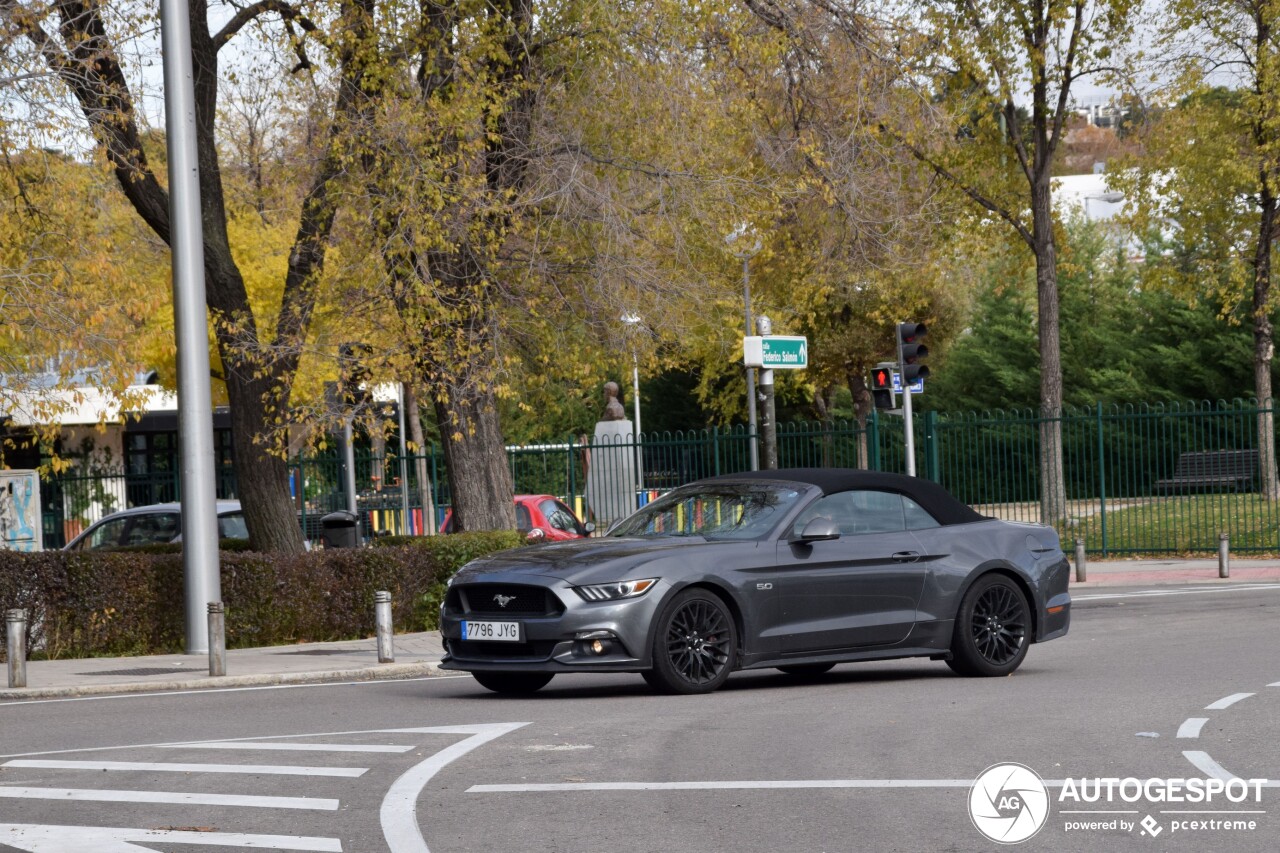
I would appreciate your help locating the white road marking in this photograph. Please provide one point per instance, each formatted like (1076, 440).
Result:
(447, 730)
(1227, 702)
(37, 838)
(166, 767)
(741, 785)
(1191, 726)
(398, 814)
(204, 691)
(177, 797)
(298, 747)
(1206, 765)
(1150, 593)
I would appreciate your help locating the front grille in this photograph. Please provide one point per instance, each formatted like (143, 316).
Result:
(492, 599)
(534, 650)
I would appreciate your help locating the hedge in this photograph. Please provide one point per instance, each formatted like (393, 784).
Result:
(82, 604)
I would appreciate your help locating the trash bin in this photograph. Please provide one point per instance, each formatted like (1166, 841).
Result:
(339, 530)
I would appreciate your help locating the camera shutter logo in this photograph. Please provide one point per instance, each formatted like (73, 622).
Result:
(1008, 803)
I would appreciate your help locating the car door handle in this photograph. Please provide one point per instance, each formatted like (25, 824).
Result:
(906, 556)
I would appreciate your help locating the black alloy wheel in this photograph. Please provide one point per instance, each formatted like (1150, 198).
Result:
(695, 646)
(513, 683)
(992, 629)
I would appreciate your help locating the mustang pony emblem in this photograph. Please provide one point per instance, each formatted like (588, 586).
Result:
(504, 600)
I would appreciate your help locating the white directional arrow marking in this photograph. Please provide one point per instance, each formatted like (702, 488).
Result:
(35, 838)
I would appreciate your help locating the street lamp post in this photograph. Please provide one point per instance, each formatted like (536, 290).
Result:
(744, 244)
(633, 323)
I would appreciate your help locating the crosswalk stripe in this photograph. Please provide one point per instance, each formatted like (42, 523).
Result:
(166, 767)
(296, 747)
(58, 839)
(178, 797)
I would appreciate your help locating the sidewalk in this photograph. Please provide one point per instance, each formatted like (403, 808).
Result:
(418, 655)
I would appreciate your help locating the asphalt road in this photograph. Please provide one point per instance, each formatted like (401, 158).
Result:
(869, 757)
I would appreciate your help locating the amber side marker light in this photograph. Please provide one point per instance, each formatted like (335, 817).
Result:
(1057, 609)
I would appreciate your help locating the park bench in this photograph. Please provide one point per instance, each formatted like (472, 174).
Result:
(1212, 471)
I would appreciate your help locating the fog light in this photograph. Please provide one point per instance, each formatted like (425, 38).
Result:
(597, 647)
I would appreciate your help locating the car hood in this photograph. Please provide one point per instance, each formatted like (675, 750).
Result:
(594, 560)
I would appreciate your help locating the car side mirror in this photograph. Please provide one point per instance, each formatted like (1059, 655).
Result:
(589, 527)
(818, 529)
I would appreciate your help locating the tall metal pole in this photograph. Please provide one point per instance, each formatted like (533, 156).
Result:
(769, 420)
(908, 426)
(405, 527)
(751, 371)
(201, 581)
(635, 404)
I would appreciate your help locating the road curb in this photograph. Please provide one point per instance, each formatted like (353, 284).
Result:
(384, 672)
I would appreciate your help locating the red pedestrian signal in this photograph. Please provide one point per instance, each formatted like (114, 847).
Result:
(882, 387)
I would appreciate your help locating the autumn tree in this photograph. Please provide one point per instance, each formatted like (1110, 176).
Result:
(82, 49)
(65, 239)
(979, 63)
(1213, 171)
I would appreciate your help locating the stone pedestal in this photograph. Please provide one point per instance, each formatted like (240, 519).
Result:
(611, 477)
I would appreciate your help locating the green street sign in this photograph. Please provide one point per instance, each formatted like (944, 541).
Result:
(776, 352)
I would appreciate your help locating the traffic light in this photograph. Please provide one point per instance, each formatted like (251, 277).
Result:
(910, 351)
(882, 386)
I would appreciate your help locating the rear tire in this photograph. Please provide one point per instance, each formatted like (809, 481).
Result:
(695, 645)
(513, 683)
(806, 670)
(992, 629)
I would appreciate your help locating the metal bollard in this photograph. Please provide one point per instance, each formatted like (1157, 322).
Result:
(217, 639)
(1080, 569)
(382, 614)
(16, 646)
(1224, 555)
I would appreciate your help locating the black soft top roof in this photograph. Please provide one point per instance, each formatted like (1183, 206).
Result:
(935, 499)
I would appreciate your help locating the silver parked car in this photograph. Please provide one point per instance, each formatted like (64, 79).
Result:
(155, 523)
(797, 569)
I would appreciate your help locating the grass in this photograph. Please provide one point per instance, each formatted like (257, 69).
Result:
(1179, 524)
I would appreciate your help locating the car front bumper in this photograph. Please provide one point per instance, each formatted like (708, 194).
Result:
(563, 640)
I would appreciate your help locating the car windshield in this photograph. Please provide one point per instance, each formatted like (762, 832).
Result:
(714, 511)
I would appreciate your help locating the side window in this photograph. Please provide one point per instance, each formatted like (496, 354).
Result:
(878, 512)
(105, 535)
(550, 513)
(232, 527)
(571, 521)
(524, 521)
(837, 507)
(918, 517)
(150, 529)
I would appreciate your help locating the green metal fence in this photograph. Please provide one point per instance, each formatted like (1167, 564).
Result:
(1120, 473)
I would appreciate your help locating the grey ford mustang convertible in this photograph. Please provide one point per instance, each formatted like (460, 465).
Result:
(796, 569)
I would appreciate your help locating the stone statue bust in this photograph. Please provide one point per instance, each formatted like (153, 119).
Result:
(613, 410)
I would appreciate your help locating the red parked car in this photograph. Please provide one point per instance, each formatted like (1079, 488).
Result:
(540, 517)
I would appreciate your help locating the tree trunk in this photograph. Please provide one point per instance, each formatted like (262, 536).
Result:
(426, 495)
(475, 459)
(862, 410)
(262, 477)
(1053, 493)
(1264, 345)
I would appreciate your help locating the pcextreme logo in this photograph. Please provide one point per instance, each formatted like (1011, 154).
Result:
(1008, 803)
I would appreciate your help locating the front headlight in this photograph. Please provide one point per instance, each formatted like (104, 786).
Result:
(615, 591)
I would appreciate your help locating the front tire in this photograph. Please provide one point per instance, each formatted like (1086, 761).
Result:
(695, 646)
(513, 683)
(992, 629)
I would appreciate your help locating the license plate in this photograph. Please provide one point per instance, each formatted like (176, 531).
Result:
(492, 632)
